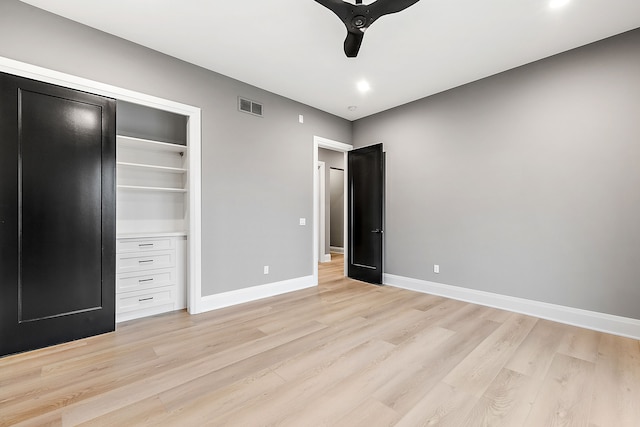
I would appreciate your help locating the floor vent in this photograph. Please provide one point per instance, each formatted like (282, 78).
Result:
(248, 106)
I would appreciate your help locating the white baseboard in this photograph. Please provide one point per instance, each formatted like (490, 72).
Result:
(226, 299)
(617, 325)
(325, 258)
(336, 249)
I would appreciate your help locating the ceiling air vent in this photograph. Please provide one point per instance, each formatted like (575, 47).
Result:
(248, 106)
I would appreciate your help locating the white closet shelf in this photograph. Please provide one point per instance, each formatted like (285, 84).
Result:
(129, 141)
(158, 189)
(151, 234)
(151, 167)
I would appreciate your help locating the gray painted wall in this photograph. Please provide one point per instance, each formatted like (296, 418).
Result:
(336, 190)
(143, 122)
(332, 159)
(526, 183)
(257, 172)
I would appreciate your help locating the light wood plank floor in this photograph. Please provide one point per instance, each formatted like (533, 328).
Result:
(342, 354)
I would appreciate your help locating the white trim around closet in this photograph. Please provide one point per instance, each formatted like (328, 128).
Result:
(194, 273)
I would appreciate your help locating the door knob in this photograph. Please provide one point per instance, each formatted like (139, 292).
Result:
(377, 230)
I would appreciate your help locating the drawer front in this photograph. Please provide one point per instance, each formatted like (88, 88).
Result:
(144, 280)
(145, 261)
(142, 300)
(141, 245)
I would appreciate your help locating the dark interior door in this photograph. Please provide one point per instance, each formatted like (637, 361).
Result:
(57, 214)
(365, 213)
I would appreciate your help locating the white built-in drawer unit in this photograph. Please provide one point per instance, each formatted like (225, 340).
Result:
(145, 279)
(137, 245)
(150, 276)
(144, 260)
(158, 299)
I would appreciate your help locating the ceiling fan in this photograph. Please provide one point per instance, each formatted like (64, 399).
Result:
(358, 17)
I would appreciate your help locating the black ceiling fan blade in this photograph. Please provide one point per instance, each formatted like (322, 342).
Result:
(352, 43)
(385, 7)
(340, 8)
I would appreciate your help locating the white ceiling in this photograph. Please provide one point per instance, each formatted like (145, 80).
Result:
(294, 47)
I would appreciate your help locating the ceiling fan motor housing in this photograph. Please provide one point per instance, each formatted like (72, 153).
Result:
(359, 21)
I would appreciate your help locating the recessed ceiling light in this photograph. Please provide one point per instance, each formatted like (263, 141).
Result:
(556, 4)
(364, 86)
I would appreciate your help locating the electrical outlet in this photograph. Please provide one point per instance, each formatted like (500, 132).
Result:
(266, 269)
(303, 221)
(436, 268)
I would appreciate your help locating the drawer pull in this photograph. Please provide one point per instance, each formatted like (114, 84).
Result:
(145, 261)
(145, 280)
(142, 245)
(145, 299)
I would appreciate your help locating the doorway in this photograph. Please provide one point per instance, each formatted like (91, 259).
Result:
(331, 203)
(336, 210)
(333, 155)
(323, 255)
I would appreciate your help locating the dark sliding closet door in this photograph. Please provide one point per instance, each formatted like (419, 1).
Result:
(57, 214)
